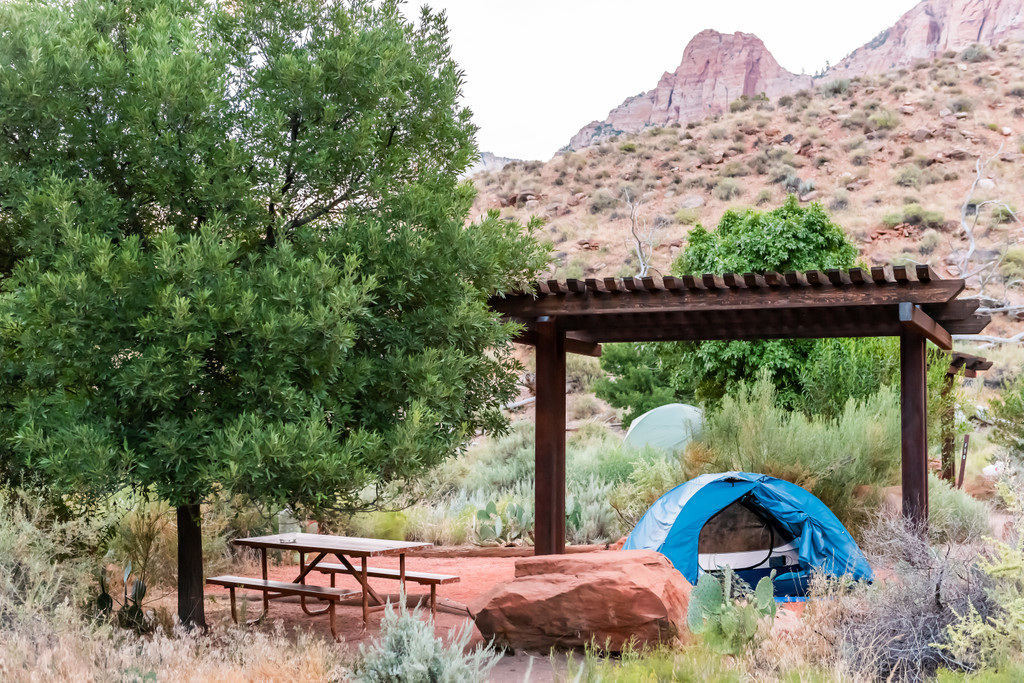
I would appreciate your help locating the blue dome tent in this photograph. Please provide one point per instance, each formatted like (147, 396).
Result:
(754, 524)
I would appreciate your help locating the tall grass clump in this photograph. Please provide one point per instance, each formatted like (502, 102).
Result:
(51, 631)
(831, 458)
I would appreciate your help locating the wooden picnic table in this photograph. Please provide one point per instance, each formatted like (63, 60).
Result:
(320, 546)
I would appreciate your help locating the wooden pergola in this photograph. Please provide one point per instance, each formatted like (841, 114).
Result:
(576, 316)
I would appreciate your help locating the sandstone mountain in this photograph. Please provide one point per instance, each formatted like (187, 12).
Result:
(896, 157)
(931, 28)
(487, 162)
(716, 69)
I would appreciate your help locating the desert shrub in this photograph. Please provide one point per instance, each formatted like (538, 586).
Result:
(1012, 266)
(786, 101)
(601, 201)
(409, 652)
(914, 214)
(727, 188)
(953, 515)
(687, 216)
(627, 147)
(994, 637)
(930, 241)
(840, 201)
(854, 142)
(764, 197)
(836, 88)
(733, 169)
(1016, 90)
(581, 372)
(582, 406)
(961, 104)
(1004, 213)
(975, 53)
(908, 176)
(829, 457)
(859, 158)
(805, 186)
(883, 119)
(856, 119)
(897, 630)
(717, 133)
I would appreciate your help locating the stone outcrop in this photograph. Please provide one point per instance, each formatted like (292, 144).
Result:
(930, 28)
(607, 598)
(716, 70)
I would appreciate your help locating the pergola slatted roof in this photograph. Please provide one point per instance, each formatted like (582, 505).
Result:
(576, 316)
(812, 304)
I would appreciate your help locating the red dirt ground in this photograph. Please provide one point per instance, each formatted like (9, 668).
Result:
(477, 576)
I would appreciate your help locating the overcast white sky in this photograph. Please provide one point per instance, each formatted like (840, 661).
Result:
(539, 70)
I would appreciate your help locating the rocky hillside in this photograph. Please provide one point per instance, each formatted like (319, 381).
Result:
(717, 69)
(892, 156)
(931, 28)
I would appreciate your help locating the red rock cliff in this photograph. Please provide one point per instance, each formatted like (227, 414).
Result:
(932, 27)
(716, 69)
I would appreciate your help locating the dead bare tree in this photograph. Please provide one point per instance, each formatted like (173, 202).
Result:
(987, 273)
(643, 235)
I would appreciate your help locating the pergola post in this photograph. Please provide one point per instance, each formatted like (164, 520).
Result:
(914, 427)
(948, 428)
(549, 449)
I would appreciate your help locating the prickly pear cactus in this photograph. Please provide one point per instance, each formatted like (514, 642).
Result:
(726, 613)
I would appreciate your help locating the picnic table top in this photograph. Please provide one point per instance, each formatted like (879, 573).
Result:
(325, 543)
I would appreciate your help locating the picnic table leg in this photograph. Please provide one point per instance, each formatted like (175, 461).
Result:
(234, 615)
(433, 600)
(334, 623)
(266, 596)
(366, 594)
(401, 571)
(301, 578)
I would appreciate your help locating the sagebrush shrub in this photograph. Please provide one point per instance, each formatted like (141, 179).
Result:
(409, 652)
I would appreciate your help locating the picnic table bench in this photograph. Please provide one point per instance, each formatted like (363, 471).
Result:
(280, 589)
(424, 578)
(320, 546)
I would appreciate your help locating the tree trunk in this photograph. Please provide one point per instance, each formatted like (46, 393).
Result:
(191, 611)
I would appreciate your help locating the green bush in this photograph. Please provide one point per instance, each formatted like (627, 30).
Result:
(627, 147)
(409, 652)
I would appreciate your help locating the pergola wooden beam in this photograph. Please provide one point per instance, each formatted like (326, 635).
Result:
(916, 320)
(573, 344)
(578, 315)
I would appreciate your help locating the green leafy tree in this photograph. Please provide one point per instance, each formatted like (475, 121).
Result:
(787, 238)
(236, 257)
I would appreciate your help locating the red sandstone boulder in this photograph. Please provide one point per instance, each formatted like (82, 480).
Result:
(608, 598)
